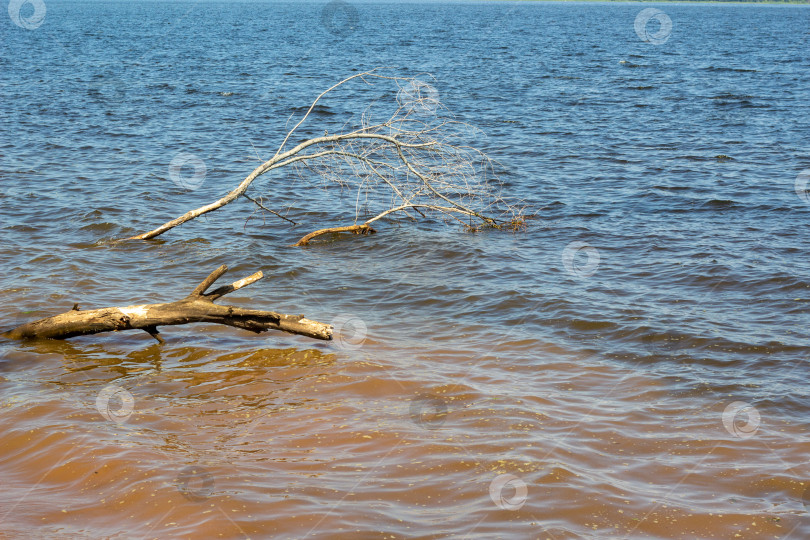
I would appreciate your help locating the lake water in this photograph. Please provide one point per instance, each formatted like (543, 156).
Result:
(632, 365)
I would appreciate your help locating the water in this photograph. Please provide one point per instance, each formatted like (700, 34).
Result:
(635, 360)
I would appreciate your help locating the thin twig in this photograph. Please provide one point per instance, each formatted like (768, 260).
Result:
(263, 207)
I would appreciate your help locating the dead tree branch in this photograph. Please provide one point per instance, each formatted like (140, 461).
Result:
(415, 158)
(197, 307)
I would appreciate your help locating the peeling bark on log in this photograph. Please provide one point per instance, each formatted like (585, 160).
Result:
(196, 307)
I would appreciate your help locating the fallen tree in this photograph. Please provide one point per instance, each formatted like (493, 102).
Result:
(415, 160)
(195, 308)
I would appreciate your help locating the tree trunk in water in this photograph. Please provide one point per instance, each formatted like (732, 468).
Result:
(196, 307)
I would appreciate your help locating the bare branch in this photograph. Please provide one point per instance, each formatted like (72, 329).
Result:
(415, 156)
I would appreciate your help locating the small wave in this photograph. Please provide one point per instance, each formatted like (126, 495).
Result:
(721, 69)
(100, 227)
(591, 325)
(716, 157)
(588, 215)
(743, 104)
(719, 204)
(628, 64)
(160, 86)
(321, 110)
(727, 96)
(613, 159)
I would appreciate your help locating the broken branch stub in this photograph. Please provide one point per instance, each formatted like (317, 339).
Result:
(198, 306)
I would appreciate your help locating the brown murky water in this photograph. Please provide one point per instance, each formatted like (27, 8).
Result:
(324, 442)
(633, 365)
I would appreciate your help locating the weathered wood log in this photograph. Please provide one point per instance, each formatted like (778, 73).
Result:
(196, 307)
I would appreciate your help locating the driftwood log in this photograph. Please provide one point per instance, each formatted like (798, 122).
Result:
(198, 306)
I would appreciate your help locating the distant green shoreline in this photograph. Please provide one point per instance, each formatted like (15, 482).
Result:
(739, 2)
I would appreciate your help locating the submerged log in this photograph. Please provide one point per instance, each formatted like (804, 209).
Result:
(197, 307)
(356, 229)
